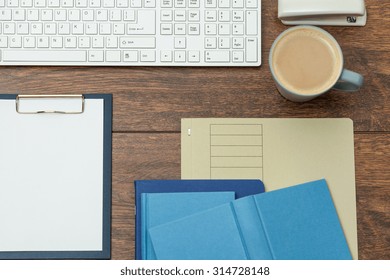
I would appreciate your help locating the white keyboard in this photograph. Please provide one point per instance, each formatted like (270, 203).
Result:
(130, 32)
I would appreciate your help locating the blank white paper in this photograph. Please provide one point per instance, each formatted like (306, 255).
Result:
(51, 179)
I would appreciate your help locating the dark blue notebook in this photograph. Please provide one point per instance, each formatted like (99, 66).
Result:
(297, 223)
(241, 188)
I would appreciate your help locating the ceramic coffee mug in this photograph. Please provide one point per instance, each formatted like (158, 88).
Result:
(306, 62)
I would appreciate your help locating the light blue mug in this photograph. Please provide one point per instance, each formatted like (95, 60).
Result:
(341, 79)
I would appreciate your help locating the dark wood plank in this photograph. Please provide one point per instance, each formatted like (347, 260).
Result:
(373, 194)
(157, 156)
(137, 157)
(155, 98)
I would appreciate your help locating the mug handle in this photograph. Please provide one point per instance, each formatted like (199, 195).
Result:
(349, 81)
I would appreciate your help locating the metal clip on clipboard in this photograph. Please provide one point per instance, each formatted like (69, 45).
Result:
(50, 104)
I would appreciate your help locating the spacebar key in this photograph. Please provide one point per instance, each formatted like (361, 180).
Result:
(44, 56)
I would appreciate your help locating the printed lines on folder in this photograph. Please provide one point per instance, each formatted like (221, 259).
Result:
(236, 151)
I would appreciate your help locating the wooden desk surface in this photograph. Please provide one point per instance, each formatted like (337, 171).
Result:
(149, 103)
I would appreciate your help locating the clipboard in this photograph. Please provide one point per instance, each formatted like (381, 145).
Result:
(55, 176)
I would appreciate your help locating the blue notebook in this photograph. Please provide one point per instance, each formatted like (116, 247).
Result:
(298, 222)
(160, 208)
(241, 188)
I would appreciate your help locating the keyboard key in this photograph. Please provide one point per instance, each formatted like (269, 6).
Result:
(105, 28)
(166, 3)
(19, 15)
(210, 29)
(15, 42)
(238, 56)
(251, 49)
(193, 3)
(74, 15)
(224, 3)
(166, 29)
(59, 15)
(210, 43)
(251, 4)
(56, 42)
(135, 3)
(180, 29)
(166, 56)
(51, 3)
(210, 16)
(71, 42)
(108, 3)
(101, 15)
(67, 3)
(130, 56)
(251, 23)
(166, 15)
(82, 3)
(119, 29)
(44, 56)
(150, 4)
(224, 15)
(238, 29)
(122, 3)
(129, 15)
(43, 42)
(29, 42)
(98, 42)
(12, 3)
(91, 29)
(3, 42)
(180, 56)
(64, 29)
(148, 56)
(78, 28)
(217, 56)
(22, 28)
(238, 43)
(115, 15)
(96, 56)
(224, 43)
(137, 43)
(238, 15)
(211, 4)
(85, 42)
(180, 3)
(193, 29)
(146, 24)
(180, 15)
(113, 56)
(50, 28)
(193, 16)
(224, 29)
(88, 15)
(238, 3)
(9, 28)
(180, 43)
(193, 56)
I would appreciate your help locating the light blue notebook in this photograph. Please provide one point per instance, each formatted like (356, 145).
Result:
(160, 208)
(298, 222)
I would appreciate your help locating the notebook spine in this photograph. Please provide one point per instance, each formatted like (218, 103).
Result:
(240, 231)
(144, 221)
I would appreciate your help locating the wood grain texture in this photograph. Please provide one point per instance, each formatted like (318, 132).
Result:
(373, 195)
(140, 156)
(149, 103)
(156, 98)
